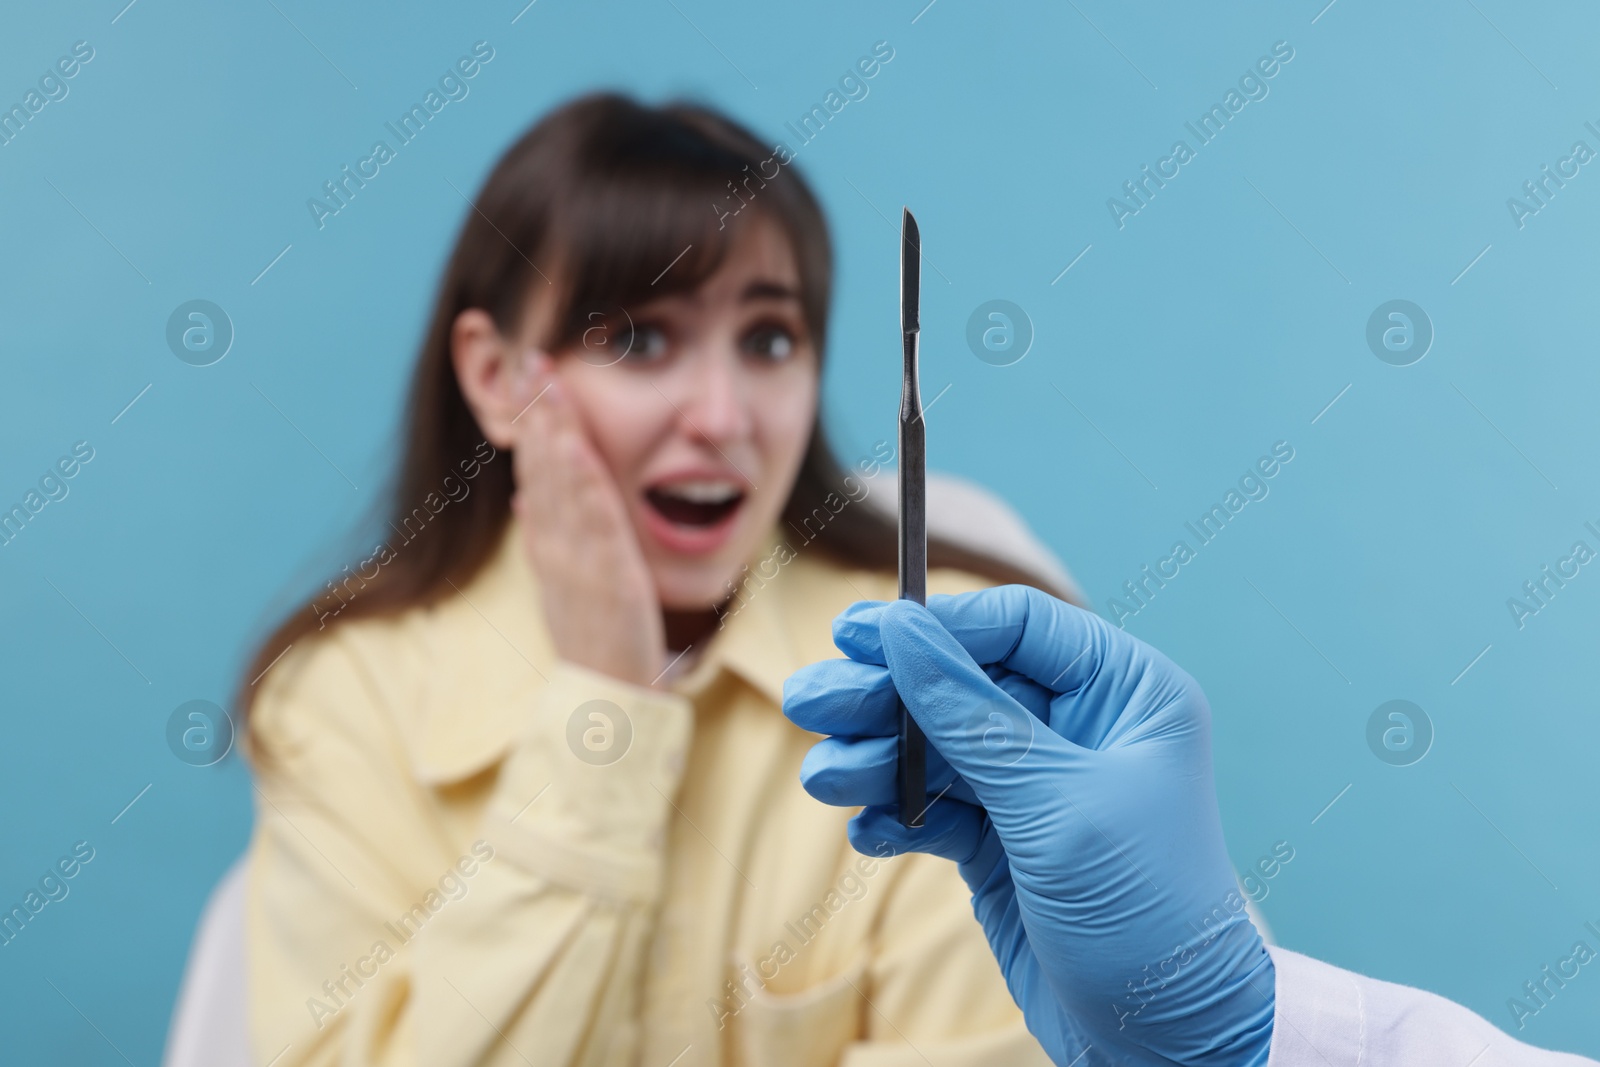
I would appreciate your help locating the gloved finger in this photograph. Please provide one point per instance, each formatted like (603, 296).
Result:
(850, 699)
(855, 631)
(852, 771)
(843, 697)
(990, 739)
(1019, 687)
(951, 830)
(1104, 671)
(1048, 640)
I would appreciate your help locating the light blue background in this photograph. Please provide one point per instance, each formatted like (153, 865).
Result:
(1224, 316)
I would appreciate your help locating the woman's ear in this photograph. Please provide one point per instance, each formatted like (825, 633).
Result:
(492, 373)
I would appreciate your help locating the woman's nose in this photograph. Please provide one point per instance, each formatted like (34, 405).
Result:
(717, 407)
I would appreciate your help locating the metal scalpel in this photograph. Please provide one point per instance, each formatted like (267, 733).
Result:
(912, 747)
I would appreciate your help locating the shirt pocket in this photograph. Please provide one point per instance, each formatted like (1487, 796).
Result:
(810, 1028)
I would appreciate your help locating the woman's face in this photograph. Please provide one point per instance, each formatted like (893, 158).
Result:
(704, 422)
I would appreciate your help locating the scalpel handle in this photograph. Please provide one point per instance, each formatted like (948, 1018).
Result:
(912, 746)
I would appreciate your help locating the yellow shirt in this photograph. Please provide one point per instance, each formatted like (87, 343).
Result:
(458, 859)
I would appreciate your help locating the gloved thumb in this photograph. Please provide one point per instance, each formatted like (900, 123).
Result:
(990, 739)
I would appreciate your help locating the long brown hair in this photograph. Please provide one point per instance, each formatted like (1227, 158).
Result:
(619, 202)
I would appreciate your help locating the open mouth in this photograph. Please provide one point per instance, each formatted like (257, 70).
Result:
(695, 504)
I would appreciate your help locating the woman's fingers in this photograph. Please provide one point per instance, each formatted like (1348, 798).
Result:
(584, 484)
(531, 454)
(595, 585)
(558, 471)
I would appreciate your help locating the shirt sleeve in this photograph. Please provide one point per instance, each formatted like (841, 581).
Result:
(1328, 1017)
(525, 950)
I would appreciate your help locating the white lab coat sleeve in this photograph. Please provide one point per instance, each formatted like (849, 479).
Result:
(1328, 1017)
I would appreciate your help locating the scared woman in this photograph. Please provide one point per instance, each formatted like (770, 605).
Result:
(526, 793)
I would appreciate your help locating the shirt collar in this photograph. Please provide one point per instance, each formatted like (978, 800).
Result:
(474, 701)
(755, 639)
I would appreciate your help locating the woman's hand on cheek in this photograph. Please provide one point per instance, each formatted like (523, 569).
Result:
(599, 600)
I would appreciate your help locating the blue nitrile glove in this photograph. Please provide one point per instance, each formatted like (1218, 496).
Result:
(1070, 779)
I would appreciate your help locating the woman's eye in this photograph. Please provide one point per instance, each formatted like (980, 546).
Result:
(774, 342)
(642, 341)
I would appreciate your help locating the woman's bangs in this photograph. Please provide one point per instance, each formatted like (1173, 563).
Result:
(633, 235)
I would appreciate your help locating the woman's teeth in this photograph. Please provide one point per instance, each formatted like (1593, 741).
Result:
(702, 492)
(700, 503)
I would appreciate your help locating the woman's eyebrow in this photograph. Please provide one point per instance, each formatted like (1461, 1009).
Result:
(768, 290)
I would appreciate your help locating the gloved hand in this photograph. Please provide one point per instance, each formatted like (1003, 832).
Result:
(1070, 779)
